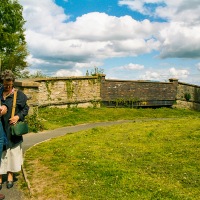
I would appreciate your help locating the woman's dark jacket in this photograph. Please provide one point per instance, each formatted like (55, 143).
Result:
(21, 110)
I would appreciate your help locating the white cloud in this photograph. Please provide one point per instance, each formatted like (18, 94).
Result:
(43, 16)
(100, 26)
(142, 6)
(178, 73)
(179, 40)
(180, 36)
(88, 65)
(179, 10)
(150, 75)
(51, 38)
(58, 44)
(32, 60)
(137, 5)
(198, 66)
(165, 74)
(131, 66)
(64, 72)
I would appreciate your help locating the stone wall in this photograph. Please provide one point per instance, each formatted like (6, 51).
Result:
(65, 92)
(184, 89)
(91, 90)
(31, 89)
(68, 91)
(138, 93)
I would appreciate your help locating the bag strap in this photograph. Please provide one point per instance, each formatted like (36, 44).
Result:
(14, 103)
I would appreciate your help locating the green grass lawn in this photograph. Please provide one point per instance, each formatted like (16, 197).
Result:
(52, 118)
(140, 160)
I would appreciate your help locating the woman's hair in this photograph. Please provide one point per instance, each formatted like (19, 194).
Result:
(7, 75)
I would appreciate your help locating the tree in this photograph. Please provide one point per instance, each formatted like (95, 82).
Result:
(13, 47)
(95, 72)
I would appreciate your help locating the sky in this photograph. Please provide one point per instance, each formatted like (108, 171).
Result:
(125, 39)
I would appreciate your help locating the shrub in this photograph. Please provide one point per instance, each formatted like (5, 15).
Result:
(34, 123)
(187, 96)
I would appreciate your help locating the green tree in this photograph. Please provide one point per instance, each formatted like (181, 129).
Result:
(96, 71)
(13, 47)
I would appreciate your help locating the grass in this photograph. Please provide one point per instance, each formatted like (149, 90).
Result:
(53, 118)
(141, 160)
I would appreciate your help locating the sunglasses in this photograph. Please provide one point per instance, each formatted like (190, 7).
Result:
(8, 85)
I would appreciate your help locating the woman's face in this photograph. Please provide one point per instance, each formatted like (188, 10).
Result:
(8, 85)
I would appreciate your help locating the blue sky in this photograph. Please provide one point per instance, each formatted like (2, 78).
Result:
(128, 39)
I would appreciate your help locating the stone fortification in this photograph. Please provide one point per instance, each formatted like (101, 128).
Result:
(188, 96)
(138, 93)
(92, 90)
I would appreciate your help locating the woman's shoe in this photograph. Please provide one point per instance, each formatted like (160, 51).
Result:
(10, 184)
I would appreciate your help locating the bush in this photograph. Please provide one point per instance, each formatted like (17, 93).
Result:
(187, 96)
(34, 123)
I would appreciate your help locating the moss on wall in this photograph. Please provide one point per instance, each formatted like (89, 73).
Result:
(47, 83)
(69, 88)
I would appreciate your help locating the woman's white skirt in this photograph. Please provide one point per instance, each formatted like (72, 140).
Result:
(11, 160)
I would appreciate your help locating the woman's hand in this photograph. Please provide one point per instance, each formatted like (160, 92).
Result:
(14, 120)
(3, 110)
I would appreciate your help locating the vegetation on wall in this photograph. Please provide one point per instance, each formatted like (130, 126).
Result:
(197, 95)
(92, 81)
(95, 103)
(70, 88)
(95, 72)
(124, 102)
(37, 74)
(187, 96)
(48, 88)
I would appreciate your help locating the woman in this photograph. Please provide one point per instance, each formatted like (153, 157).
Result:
(3, 110)
(12, 157)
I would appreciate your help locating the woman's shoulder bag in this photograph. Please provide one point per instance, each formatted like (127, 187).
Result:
(20, 128)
